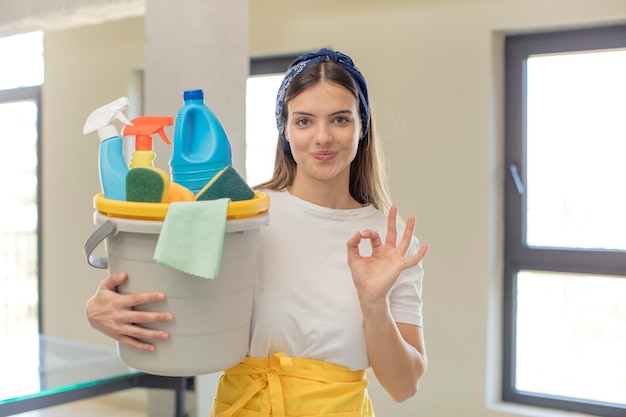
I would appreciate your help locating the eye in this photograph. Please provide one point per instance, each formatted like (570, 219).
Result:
(342, 120)
(303, 122)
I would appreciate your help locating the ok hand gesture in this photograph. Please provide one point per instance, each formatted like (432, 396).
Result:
(374, 275)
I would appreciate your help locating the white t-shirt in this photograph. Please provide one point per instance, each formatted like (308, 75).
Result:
(305, 300)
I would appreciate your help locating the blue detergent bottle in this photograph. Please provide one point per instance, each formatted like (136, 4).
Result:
(111, 162)
(201, 148)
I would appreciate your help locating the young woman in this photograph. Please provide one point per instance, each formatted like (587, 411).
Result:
(333, 296)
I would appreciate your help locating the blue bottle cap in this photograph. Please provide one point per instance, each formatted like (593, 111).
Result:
(193, 95)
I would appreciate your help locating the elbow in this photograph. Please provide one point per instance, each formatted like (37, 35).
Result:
(409, 390)
(405, 394)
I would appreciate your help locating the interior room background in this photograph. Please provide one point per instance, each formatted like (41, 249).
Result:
(435, 72)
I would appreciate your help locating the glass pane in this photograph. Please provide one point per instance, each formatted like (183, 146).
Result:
(571, 335)
(22, 63)
(261, 131)
(37, 365)
(576, 149)
(18, 223)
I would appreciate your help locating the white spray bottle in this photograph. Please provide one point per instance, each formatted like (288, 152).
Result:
(112, 165)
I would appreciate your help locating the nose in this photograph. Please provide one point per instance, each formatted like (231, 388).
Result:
(323, 135)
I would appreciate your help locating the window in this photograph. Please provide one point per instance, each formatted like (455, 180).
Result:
(20, 78)
(565, 221)
(266, 74)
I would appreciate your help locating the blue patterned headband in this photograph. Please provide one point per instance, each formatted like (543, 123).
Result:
(304, 61)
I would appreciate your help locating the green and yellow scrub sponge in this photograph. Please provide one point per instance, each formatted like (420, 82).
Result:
(226, 184)
(147, 185)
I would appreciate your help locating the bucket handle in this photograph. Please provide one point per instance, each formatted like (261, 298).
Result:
(106, 229)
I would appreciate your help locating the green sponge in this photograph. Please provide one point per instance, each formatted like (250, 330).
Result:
(227, 183)
(147, 185)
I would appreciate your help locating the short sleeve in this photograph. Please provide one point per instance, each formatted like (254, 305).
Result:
(405, 297)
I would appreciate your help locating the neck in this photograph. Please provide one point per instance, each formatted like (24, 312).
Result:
(333, 194)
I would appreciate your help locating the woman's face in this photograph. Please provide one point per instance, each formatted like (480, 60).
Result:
(323, 128)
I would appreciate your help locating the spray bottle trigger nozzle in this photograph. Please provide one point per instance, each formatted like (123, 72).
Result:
(143, 127)
(101, 118)
(120, 116)
(163, 135)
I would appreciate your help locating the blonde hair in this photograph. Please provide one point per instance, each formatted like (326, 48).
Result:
(367, 172)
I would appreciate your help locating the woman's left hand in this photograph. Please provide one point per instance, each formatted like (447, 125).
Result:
(374, 275)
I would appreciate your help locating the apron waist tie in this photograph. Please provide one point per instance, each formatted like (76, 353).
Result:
(268, 387)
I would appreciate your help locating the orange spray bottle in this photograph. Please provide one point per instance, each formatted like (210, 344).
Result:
(143, 127)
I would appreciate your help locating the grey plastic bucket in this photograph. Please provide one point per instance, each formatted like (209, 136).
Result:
(212, 317)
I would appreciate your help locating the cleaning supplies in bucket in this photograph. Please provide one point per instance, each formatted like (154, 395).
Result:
(227, 183)
(201, 150)
(143, 127)
(195, 241)
(212, 317)
(147, 185)
(145, 182)
(192, 237)
(201, 146)
(111, 161)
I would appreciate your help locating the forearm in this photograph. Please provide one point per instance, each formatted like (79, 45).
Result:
(398, 364)
(396, 351)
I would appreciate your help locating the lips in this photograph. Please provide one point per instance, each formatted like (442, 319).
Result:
(323, 156)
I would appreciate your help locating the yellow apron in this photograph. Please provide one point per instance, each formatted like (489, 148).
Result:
(283, 386)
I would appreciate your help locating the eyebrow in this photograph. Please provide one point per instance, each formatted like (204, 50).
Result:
(304, 113)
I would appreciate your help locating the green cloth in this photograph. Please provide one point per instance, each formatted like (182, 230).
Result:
(192, 237)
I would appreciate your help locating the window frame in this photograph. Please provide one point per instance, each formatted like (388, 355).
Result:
(518, 255)
(33, 93)
(271, 64)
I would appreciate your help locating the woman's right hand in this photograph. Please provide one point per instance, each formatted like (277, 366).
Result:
(112, 314)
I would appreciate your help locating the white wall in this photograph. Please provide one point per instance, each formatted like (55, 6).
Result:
(85, 68)
(435, 74)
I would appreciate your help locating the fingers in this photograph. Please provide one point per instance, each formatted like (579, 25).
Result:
(415, 259)
(117, 315)
(372, 235)
(125, 309)
(404, 244)
(354, 241)
(136, 316)
(129, 300)
(392, 232)
(136, 344)
(136, 337)
(126, 327)
(137, 299)
(113, 281)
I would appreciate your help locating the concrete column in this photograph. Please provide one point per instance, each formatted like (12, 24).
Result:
(197, 44)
